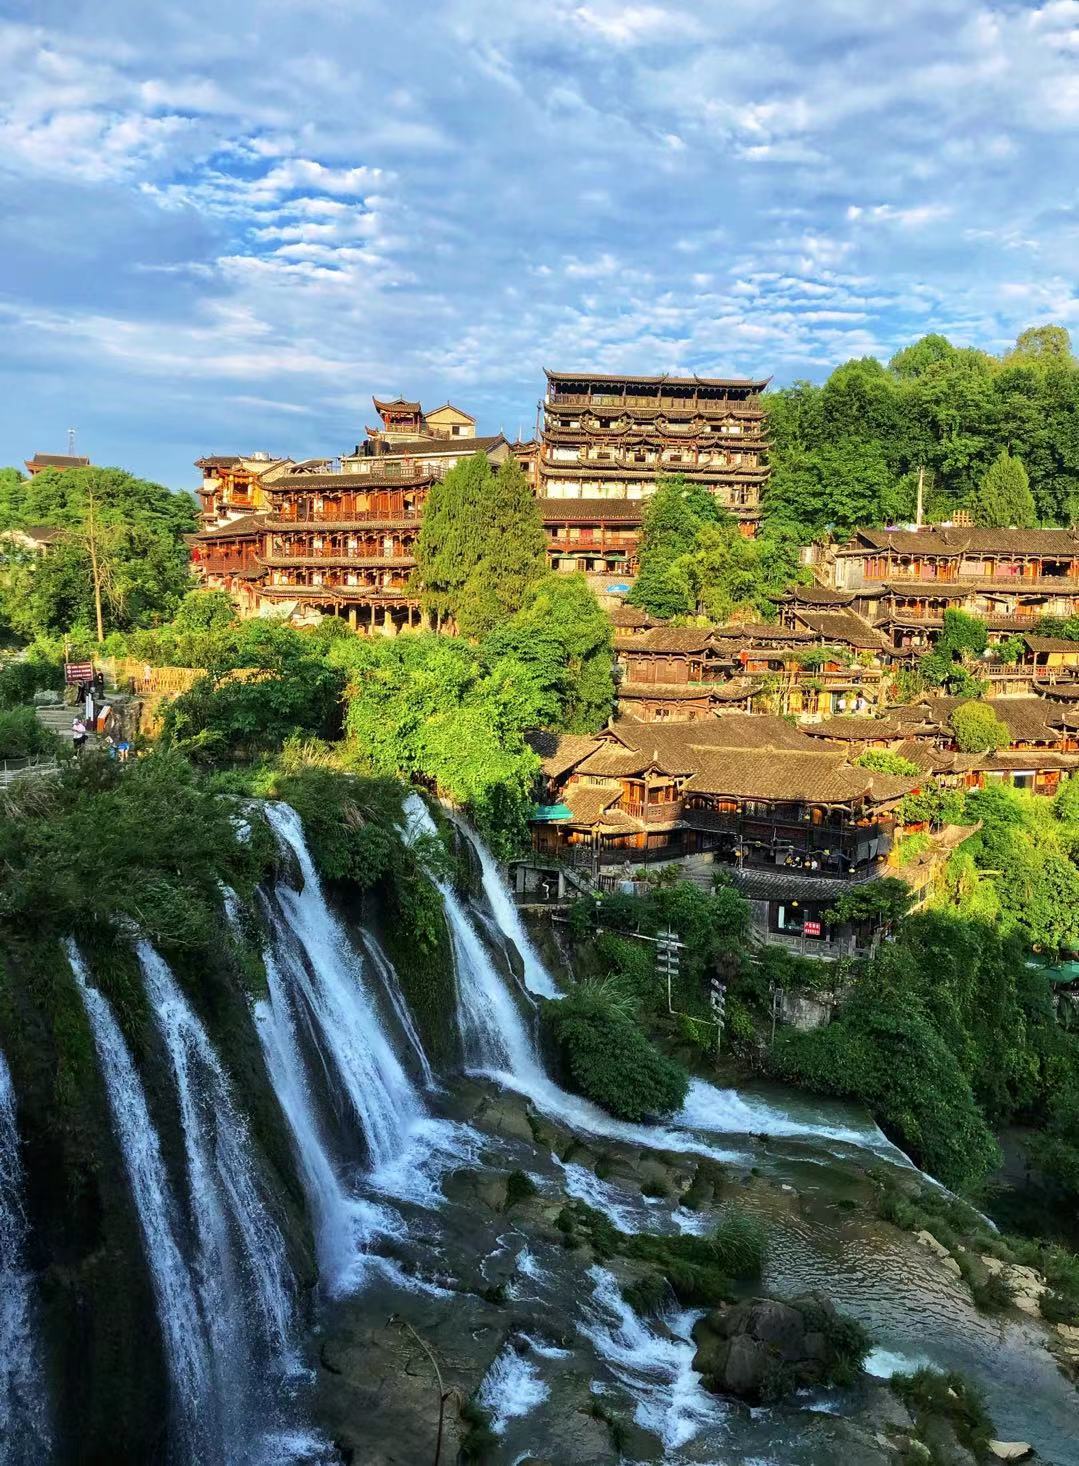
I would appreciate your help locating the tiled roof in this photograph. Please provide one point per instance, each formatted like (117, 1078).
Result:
(591, 511)
(630, 617)
(590, 806)
(854, 730)
(41, 534)
(817, 595)
(664, 380)
(560, 752)
(956, 540)
(224, 461)
(786, 777)
(751, 633)
(382, 402)
(246, 524)
(1051, 644)
(666, 691)
(843, 626)
(661, 639)
(58, 460)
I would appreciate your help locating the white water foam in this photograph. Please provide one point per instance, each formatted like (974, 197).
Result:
(244, 1284)
(656, 1369)
(24, 1422)
(511, 1388)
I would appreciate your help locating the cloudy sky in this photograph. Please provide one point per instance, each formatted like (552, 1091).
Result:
(225, 224)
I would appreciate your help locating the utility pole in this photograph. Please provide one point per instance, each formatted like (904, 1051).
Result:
(95, 568)
(919, 512)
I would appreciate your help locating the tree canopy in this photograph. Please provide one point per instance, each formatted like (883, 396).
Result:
(849, 451)
(481, 545)
(133, 529)
(1004, 499)
(695, 561)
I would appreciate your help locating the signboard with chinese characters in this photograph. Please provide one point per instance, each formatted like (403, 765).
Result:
(811, 928)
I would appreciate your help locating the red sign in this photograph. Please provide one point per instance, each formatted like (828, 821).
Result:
(811, 928)
(78, 672)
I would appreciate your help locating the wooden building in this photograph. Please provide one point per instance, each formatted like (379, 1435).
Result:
(608, 438)
(333, 537)
(60, 461)
(411, 443)
(902, 581)
(795, 822)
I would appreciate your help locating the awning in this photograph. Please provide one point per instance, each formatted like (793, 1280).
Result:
(551, 812)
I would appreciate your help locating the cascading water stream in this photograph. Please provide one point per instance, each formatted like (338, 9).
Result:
(244, 1275)
(24, 1423)
(195, 1408)
(324, 1042)
(508, 919)
(708, 1110)
(372, 1078)
(392, 988)
(343, 1223)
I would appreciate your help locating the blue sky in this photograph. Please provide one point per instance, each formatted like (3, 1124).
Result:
(224, 225)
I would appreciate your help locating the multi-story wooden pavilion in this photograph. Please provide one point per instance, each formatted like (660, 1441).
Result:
(608, 438)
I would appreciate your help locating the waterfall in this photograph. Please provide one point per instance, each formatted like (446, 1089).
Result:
(392, 988)
(24, 1428)
(497, 1041)
(536, 977)
(343, 1223)
(243, 1270)
(186, 1345)
(329, 983)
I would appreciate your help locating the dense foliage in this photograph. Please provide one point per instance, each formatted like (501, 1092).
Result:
(103, 844)
(481, 545)
(695, 561)
(132, 529)
(602, 1053)
(977, 728)
(848, 452)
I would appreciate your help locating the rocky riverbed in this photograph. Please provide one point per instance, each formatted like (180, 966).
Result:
(485, 1289)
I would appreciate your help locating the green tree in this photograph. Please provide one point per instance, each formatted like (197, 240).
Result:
(121, 548)
(883, 761)
(977, 728)
(672, 518)
(512, 552)
(1004, 499)
(449, 544)
(831, 486)
(563, 638)
(1043, 344)
(727, 573)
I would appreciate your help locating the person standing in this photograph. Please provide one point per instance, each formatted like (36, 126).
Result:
(78, 734)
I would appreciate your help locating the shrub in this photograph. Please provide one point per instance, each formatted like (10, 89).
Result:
(882, 761)
(928, 1394)
(603, 1055)
(519, 1187)
(21, 734)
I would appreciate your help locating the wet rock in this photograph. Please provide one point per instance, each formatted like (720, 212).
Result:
(927, 1240)
(764, 1348)
(1011, 1450)
(830, 1438)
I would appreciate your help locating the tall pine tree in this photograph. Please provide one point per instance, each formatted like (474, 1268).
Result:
(1004, 500)
(449, 542)
(512, 552)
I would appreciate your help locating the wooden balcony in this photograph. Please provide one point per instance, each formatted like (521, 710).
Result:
(653, 814)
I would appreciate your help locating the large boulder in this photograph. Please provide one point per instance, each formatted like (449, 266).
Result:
(764, 1348)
